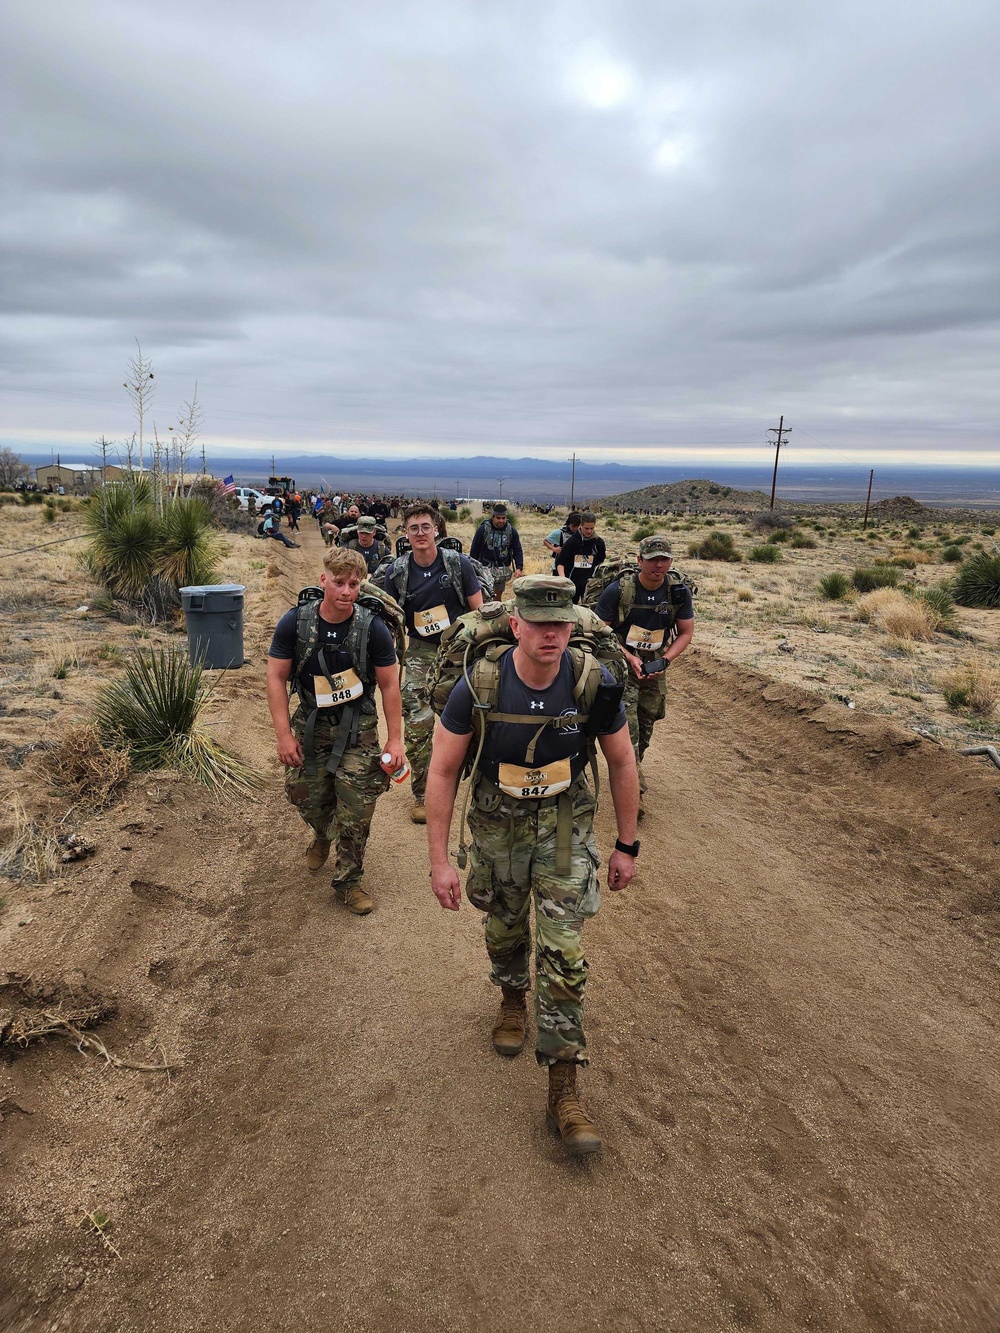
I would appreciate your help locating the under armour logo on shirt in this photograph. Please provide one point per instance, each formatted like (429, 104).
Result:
(537, 703)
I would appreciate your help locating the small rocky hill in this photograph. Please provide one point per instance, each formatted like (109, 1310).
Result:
(699, 495)
(901, 506)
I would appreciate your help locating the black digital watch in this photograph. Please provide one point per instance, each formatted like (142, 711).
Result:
(629, 848)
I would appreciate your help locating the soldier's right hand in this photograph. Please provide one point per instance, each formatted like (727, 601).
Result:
(636, 664)
(290, 752)
(447, 887)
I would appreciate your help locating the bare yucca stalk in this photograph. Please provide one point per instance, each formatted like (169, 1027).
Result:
(152, 712)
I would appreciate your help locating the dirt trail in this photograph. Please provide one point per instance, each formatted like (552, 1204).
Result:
(793, 1019)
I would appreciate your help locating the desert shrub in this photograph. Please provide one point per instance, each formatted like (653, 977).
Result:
(464, 514)
(49, 514)
(716, 546)
(870, 605)
(834, 587)
(977, 583)
(988, 532)
(142, 558)
(779, 535)
(974, 687)
(450, 515)
(91, 771)
(32, 497)
(952, 555)
(768, 521)
(912, 533)
(189, 551)
(909, 618)
(941, 604)
(27, 851)
(744, 594)
(764, 555)
(866, 579)
(899, 561)
(152, 714)
(801, 542)
(644, 530)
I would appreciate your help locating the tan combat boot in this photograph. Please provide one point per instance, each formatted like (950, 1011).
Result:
(355, 899)
(418, 814)
(316, 856)
(565, 1115)
(508, 1034)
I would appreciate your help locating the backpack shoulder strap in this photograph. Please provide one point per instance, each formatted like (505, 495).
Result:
(306, 635)
(358, 639)
(453, 565)
(399, 575)
(626, 593)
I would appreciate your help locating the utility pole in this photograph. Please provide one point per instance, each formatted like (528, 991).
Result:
(572, 482)
(273, 472)
(868, 502)
(778, 441)
(500, 482)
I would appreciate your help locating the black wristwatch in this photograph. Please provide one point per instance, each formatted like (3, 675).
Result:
(630, 849)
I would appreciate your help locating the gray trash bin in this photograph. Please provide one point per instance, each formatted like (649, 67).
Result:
(214, 614)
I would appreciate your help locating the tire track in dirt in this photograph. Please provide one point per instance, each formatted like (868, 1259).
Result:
(792, 1018)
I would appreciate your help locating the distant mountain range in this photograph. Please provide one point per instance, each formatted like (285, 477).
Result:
(543, 479)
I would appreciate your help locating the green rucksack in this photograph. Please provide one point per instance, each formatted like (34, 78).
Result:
(472, 649)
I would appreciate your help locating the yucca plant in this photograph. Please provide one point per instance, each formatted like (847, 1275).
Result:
(152, 712)
(978, 581)
(189, 551)
(123, 551)
(834, 587)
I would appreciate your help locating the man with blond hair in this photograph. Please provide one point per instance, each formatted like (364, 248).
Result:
(334, 654)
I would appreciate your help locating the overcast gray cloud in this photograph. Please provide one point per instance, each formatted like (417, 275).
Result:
(630, 226)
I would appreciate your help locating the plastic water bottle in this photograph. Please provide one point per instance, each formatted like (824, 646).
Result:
(401, 773)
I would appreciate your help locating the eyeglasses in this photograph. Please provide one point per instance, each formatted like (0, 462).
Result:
(420, 527)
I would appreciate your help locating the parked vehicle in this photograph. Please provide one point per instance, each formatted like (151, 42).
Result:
(261, 501)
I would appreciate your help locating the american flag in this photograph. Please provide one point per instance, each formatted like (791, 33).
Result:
(228, 485)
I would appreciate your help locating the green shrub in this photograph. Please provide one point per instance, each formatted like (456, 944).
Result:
(878, 576)
(716, 546)
(644, 530)
(834, 587)
(912, 533)
(464, 514)
(152, 713)
(952, 555)
(978, 582)
(188, 552)
(769, 521)
(49, 514)
(449, 515)
(941, 602)
(800, 542)
(765, 555)
(779, 535)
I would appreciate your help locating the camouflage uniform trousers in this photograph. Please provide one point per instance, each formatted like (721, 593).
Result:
(513, 858)
(339, 806)
(418, 715)
(501, 577)
(645, 705)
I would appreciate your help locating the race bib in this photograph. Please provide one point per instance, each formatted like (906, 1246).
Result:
(534, 782)
(346, 686)
(644, 640)
(432, 621)
(583, 562)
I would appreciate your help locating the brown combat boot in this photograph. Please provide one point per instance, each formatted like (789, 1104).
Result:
(418, 814)
(565, 1115)
(508, 1034)
(316, 856)
(354, 898)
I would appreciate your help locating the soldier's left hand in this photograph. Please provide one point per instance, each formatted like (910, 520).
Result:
(621, 868)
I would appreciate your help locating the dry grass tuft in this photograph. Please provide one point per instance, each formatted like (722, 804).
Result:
(27, 852)
(974, 687)
(900, 616)
(91, 771)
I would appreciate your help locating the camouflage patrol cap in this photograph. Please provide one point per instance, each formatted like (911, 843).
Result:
(366, 523)
(655, 545)
(544, 597)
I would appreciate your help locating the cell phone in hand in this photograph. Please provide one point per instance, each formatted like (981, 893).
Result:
(651, 668)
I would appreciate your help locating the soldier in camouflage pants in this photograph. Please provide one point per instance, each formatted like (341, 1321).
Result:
(645, 705)
(513, 856)
(417, 713)
(339, 809)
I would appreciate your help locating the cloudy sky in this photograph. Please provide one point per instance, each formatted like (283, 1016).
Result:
(638, 229)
